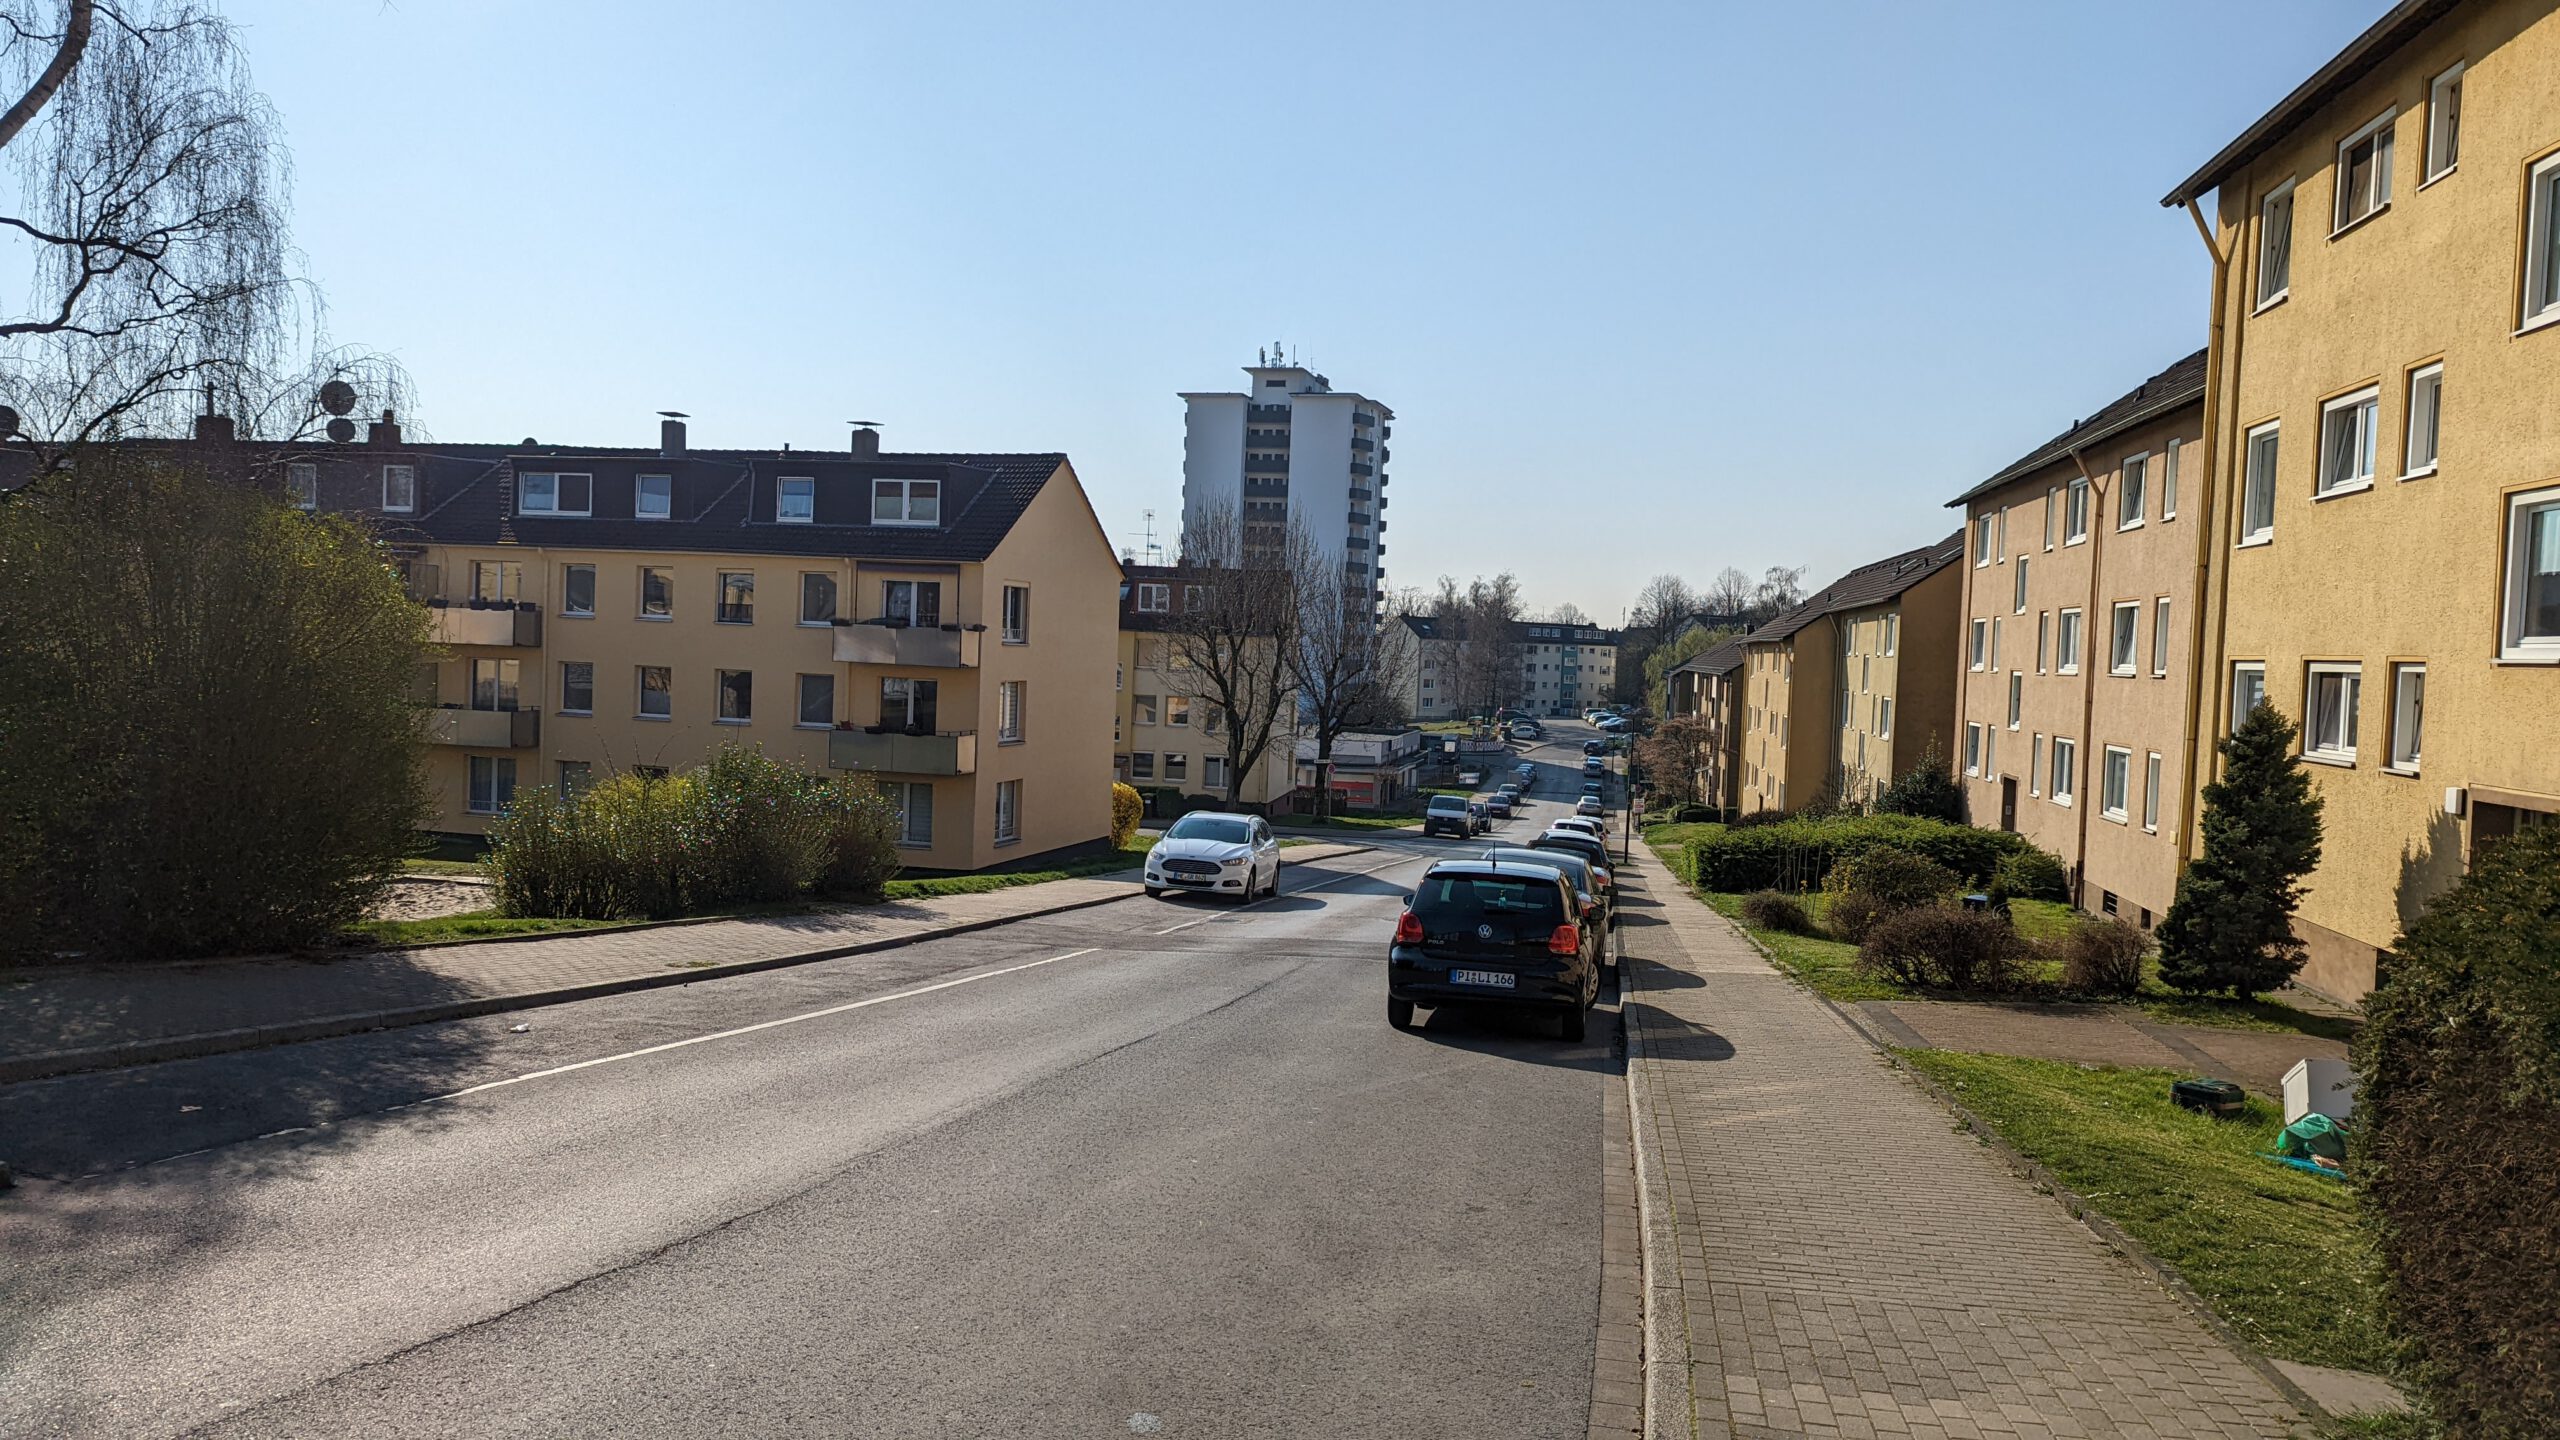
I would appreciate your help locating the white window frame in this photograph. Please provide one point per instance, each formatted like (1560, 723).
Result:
(1884, 717)
(1015, 617)
(2275, 246)
(2018, 590)
(783, 492)
(2068, 638)
(883, 488)
(302, 486)
(1009, 701)
(2261, 452)
(2115, 784)
(1154, 598)
(835, 600)
(2444, 126)
(640, 507)
(2383, 131)
(1008, 811)
(1892, 631)
(2044, 619)
(915, 822)
(2514, 645)
(2541, 246)
(2075, 512)
(1972, 748)
(2160, 637)
(2124, 642)
(2425, 396)
(408, 488)
(1981, 541)
(2151, 793)
(1977, 644)
(2061, 784)
(2257, 670)
(2407, 748)
(2361, 414)
(2339, 749)
(1177, 710)
(2169, 455)
(2051, 491)
(2133, 485)
(1177, 767)
(524, 494)
(800, 701)
(2035, 763)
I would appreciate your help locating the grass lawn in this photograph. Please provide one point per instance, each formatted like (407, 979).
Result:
(471, 868)
(470, 925)
(1347, 822)
(2279, 1254)
(1130, 856)
(1668, 839)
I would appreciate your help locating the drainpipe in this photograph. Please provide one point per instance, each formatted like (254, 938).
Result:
(2081, 799)
(2215, 367)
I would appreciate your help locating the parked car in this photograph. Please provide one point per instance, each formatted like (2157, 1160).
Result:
(1484, 932)
(1480, 816)
(1448, 814)
(1590, 805)
(1574, 842)
(1227, 854)
(1528, 777)
(1470, 777)
(1526, 730)
(1591, 749)
(1594, 765)
(1583, 823)
(1613, 725)
(1600, 914)
(1498, 804)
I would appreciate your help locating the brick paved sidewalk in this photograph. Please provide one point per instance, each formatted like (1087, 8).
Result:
(1845, 1262)
(55, 1019)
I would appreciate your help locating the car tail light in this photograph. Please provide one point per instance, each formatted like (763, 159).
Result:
(1408, 929)
(1567, 940)
(1600, 873)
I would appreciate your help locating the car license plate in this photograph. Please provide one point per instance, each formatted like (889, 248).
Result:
(1195, 879)
(1498, 979)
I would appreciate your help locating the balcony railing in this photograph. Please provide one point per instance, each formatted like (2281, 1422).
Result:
(461, 625)
(1266, 465)
(1363, 418)
(1363, 443)
(484, 729)
(951, 753)
(921, 647)
(1362, 467)
(1266, 412)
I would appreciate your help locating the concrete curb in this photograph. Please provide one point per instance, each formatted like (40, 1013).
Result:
(14, 1069)
(1667, 1402)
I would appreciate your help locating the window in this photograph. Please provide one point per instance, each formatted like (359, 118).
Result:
(2048, 517)
(2075, 513)
(2043, 623)
(1193, 597)
(1177, 710)
(913, 705)
(1213, 771)
(575, 777)
(1981, 541)
(1008, 811)
(1892, 631)
(1884, 716)
(2018, 589)
(2542, 245)
(2444, 123)
(1142, 709)
(2035, 763)
(495, 684)
(2275, 245)
(906, 502)
(497, 581)
(577, 687)
(2248, 690)
(1017, 614)
(2258, 488)
(657, 692)
(2124, 656)
(795, 500)
(1972, 748)
(915, 812)
(2017, 697)
(2169, 478)
(737, 697)
(302, 486)
(2066, 645)
(1154, 599)
(653, 497)
(2329, 712)
(2066, 757)
(2347, 428)
(737, 597)
(657, 593)
(2426, 409)
(2408, 715)
(399, 488)
(2130, 499)
(2160, 637)
(818, 701)
(1978, 643)
(1142, 765)
(2532, 628)
(1995, 642)
(540, 492)
(1009, 713)
(1177, 768)
(493, 783)
(2115, 782)
(916, 602)
(2364, 171)
(2002, 544)
(817, 598)
(578, 590)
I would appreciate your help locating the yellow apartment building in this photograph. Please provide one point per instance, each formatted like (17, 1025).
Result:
(1708, 687)
(1823, 710)
(940, 622)
(2382, 525)
(2079, 602)
(1163, 736)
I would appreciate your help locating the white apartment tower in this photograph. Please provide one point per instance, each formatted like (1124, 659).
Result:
(1291, 447)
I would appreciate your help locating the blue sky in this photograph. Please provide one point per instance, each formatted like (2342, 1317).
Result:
(1650, 288)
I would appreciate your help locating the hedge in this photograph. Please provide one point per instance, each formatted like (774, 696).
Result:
(1798, 854)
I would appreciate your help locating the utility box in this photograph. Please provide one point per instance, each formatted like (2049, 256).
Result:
(2327, 1087)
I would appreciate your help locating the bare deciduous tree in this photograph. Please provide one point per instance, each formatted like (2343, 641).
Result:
(1232, 635)
(1729, 594)
(1481, 624)
(1780, 589)
(1664, 602)
(1346, 678)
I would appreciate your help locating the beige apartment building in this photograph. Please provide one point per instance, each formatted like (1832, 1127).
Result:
(1823, 707)
(1163, 736)
(940, 622)
(2079, 600)
(1708, 687)
(2383, 519)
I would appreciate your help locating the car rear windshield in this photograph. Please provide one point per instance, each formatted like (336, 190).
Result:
(1454, 899)
(1574, 867)
(1220, 829)
(1446, 804)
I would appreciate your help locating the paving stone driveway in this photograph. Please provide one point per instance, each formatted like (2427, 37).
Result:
(1849, 1264)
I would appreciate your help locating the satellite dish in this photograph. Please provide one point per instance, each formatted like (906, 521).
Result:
(8, 422)
(342, 429)
(337, 397)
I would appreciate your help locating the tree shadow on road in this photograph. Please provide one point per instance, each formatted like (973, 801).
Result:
(1668, 1037)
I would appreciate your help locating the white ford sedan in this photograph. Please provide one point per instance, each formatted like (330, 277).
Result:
(1224, 854)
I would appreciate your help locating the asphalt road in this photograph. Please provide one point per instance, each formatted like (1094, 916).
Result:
(1150, 1168)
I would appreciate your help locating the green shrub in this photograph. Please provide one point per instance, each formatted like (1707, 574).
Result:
(1800, 852)
(760, 829)
(1946, 947)
(2460, 1065)
(2102, 955)
(862, 839)
(2231, 926)
(1894, 877)
(2029, 873)
(1776, 910)
(1928, 790)
(1128, 807)
(1852, 914)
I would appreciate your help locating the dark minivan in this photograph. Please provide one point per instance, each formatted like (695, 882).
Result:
(1480, 931)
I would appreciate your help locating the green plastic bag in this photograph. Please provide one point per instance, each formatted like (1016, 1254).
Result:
(2313, 1136)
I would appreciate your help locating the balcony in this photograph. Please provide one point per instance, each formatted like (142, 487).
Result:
(1362, 467)
(946, 648)
(952, 753)
(1362, 493)
(1266, 465)
(1362, 443)
(484, 729)
(1266, 412)
(462, 625)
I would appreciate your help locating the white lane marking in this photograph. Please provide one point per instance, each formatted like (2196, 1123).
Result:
(1185, 925)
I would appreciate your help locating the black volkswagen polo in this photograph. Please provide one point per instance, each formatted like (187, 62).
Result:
(1481, 931)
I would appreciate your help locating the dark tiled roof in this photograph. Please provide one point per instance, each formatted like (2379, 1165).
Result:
(1428, 627)
(2175, 388)
(1722, 659)
(2400, 24)
(1869, 584)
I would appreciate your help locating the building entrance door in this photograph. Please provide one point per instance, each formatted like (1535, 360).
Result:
(2008, 803)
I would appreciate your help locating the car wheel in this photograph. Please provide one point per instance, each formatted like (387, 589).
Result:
(1400, 1014)
(1155, 892)
(1570, 1028)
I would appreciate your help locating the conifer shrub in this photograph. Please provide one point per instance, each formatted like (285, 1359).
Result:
(2231, 926)
(1928, 789)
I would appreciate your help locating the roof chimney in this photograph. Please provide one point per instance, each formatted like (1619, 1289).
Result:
(865, 444)
(384, 432)
(671, 434)
(213, 429)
